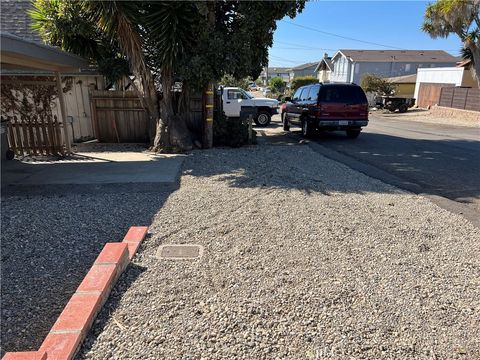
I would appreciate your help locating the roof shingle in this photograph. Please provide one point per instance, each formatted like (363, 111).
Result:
(15, 19)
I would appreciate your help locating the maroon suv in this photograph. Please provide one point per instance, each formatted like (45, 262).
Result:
(327, 107)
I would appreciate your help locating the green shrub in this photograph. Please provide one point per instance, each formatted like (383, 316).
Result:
(377, 84)
(277, 84)
(230, 131)
(302, 81)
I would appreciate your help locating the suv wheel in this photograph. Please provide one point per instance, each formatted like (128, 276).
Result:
(353, 134)
(286, 125)
(307, 130)
(263, 118)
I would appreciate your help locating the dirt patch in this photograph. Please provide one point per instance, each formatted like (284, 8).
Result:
(434, 116)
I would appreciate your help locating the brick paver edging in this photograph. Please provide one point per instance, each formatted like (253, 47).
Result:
(76, 319)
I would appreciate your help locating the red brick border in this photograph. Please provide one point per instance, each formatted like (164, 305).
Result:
(76, 319)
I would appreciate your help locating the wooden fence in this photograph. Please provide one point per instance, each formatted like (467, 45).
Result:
(429, 94)
(119, 116)
(35, 135)
(460, 98)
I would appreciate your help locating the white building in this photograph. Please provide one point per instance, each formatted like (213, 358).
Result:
(352, 65)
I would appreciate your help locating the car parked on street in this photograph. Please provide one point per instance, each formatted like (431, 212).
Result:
(252, 87)
(327, 107)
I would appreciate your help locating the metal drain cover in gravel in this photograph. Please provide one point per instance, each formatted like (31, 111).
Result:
(180, 252)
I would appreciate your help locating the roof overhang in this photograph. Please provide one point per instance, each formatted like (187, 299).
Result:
(20, 54)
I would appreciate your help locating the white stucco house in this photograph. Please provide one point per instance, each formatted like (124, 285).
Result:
(352, 65)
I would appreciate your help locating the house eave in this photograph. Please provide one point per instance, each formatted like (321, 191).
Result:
(22, 54)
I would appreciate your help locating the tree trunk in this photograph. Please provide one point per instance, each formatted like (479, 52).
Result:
(475, 49)
(172, 132)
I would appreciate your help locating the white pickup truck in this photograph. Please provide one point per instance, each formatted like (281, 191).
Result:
(234, 98)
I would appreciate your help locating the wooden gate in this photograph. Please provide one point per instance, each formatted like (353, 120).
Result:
(118, 117)
(35, 135)
(429, 94)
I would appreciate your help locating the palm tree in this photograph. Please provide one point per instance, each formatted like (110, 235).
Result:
(134, 30)
(460, 17)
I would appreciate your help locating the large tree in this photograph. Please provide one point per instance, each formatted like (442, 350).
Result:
(461, 17)
(193, 42)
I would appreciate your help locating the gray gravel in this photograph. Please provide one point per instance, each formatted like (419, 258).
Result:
(48, 244)
(304, 259)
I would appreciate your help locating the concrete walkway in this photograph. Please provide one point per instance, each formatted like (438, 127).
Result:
(94, 170)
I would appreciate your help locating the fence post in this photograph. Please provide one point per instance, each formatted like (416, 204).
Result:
(208, 122)
(63, 112)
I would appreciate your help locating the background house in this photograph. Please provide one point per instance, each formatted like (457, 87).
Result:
(324, 69)
(405, 85)
(351, 65)
(271, 72)
(308, 69)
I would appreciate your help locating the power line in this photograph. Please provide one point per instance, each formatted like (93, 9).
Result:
(297, 48)
(290, 60)
(340, 36)
(283, 59)
(296, 45)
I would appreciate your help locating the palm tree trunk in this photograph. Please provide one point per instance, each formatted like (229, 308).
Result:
(475, 49)
(172, 133)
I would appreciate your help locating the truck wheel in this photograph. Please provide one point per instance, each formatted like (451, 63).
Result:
(307, 129)
(353, 134)
(286, 125)
(403, 108)
(263, 118)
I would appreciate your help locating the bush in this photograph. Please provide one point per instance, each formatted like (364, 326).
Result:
(377, 85)
(230, 131)
(277, 84)
(302, 81)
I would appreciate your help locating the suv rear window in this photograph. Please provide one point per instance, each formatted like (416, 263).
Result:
(342, 94)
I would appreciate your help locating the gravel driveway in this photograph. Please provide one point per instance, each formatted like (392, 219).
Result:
(304, 259)
(48, 244)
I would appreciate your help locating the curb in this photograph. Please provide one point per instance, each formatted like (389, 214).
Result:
(76, 319)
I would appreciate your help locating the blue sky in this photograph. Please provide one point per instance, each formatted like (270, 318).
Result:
(392, 23)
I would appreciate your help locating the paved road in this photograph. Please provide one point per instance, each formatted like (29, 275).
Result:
(434, 159)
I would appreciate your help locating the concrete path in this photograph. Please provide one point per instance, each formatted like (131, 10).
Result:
(94, 169)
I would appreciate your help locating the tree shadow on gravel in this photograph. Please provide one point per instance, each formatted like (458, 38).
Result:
(126, 280)
(446, 167)
(49, 242)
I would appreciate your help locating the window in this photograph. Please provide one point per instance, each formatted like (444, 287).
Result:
(342, 94)
(296, 96)
(304, 94)
(233, 94)
(313, 93)
(407, 67)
